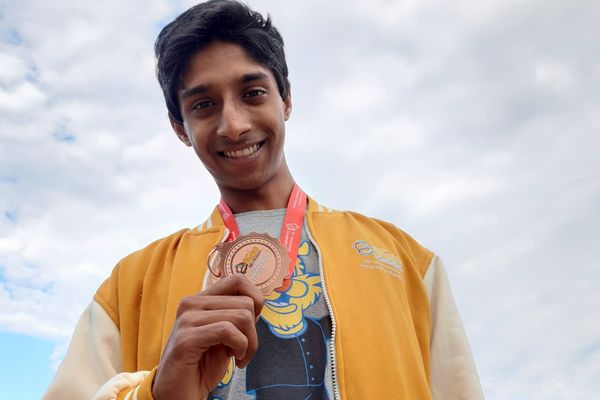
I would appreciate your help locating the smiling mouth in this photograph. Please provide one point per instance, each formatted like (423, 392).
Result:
(246, 152)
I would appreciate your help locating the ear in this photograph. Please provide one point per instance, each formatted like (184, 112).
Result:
(179, 130)
(287, 105)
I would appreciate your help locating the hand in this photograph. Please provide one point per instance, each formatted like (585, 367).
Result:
(211, 327)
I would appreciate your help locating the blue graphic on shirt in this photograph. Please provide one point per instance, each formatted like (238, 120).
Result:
(293, 347)
(284, 311)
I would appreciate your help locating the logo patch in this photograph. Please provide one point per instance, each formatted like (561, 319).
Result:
(378, 258)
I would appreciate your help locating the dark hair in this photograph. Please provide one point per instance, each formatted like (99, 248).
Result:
(226, 20)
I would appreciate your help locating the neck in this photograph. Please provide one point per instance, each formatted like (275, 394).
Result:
(272, 195)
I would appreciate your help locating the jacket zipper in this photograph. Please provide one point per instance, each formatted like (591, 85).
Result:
(336, 392)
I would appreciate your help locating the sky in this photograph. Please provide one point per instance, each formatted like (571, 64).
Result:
(472, 125)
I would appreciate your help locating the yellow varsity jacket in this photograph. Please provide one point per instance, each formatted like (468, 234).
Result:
(396, 332)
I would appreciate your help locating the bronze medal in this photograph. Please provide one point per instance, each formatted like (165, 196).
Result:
(258, 256)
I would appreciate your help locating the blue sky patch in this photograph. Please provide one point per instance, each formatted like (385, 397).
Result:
(25, 354)
(62, 135)
(11, 216)
(11, 36)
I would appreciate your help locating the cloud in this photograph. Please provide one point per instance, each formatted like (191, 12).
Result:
(13, 68)
(472, 125)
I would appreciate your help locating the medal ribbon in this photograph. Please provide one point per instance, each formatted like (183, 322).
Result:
(291, 231)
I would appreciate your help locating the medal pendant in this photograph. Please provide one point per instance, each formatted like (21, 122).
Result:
(258, 256)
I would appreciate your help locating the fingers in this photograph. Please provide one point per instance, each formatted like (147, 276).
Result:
(210, 327)
(195, 359)
(237, 285)
(240, 319)
(209, 303)
(231, 307)
(200, 338)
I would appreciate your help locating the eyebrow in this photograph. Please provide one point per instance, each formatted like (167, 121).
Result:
(194, 91)
(256, 76)
(246, 78)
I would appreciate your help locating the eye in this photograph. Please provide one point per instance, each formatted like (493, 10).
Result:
(201, 105)
(255, 93)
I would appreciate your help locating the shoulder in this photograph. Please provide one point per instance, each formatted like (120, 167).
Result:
(374, 231)
(140, 258)
(128, 275)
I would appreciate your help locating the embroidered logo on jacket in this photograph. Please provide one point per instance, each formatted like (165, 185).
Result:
(378, 258)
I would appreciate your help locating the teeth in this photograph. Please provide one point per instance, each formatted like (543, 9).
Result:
(242, 153)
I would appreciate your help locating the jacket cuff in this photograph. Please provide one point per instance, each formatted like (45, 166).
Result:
(140, 390)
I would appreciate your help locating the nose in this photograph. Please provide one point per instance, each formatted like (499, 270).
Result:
(234, 121)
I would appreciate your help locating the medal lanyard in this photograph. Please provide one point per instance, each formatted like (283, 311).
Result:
(291, 231)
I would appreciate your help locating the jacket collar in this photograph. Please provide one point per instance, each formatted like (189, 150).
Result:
(216, 221)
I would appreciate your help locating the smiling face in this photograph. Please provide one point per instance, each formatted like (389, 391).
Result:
(234, 118)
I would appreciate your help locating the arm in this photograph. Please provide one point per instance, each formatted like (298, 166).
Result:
(210, 328)
(93, 361)
(453, 372)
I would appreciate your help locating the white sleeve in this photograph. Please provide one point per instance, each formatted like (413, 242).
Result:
(453, 372)
(90, 369)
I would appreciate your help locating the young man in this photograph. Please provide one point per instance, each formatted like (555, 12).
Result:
(274, 296)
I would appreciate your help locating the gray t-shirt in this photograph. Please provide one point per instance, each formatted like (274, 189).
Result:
(292, 361)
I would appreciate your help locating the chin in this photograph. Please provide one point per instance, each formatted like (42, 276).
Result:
(247, 184)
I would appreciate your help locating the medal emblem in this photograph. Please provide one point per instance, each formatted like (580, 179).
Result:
(259, 257)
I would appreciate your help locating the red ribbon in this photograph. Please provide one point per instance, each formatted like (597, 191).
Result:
(291, 231)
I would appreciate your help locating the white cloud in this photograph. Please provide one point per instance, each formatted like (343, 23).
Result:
(554, 75)
(12, 68)
(22, 98)
(472, 125)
